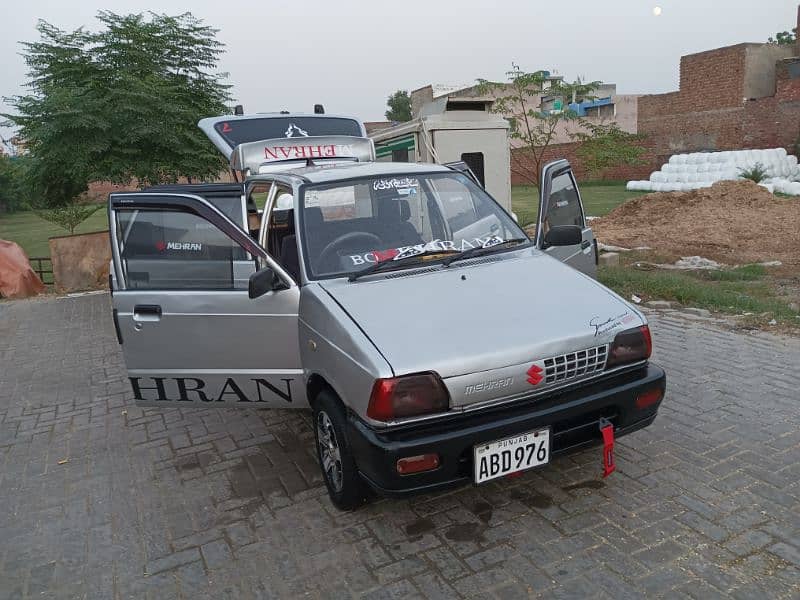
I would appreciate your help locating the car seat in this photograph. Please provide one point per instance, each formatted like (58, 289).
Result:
(393, 214)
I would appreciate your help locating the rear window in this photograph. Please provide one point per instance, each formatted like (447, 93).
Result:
(241, 131)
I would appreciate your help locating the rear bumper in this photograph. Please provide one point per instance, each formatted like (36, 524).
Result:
(573, 415)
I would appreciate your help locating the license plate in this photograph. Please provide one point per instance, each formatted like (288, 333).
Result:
(517, 453)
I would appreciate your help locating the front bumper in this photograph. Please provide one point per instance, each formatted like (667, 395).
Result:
(574, 416)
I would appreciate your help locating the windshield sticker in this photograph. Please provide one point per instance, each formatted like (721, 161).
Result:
(401, 184)
(295, 131)
(604, 325)
(193, 246)
(432, 246)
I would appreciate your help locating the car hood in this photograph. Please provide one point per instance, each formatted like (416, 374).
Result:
(491, 316)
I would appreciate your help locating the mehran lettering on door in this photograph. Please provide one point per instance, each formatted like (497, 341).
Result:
(198, 390)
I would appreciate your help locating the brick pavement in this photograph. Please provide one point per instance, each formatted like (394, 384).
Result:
(100, 499)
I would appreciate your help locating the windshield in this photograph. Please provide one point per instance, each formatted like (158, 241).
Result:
(349, 226)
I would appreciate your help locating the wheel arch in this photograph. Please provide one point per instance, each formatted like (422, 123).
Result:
(315, 385)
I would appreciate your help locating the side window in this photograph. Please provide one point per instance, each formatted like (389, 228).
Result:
(256, 200)
(458, 207)
(171, 250)
(258, 195)
(563, 206)
(281, 221)
(474, 161)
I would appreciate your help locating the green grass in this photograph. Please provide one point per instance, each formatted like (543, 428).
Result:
(735, 291)
(31, 232)
(598, 199)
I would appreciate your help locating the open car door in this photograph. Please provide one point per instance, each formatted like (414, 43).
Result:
(560, 204)
(190, 333)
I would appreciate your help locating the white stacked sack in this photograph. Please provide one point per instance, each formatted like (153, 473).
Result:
(686, 172)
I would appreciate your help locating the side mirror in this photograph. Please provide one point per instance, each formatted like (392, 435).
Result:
(563, 235)
(515, 217)
(263, 281)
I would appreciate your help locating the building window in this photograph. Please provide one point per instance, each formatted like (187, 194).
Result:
(400, 155)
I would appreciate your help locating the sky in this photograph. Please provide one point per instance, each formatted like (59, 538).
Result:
(349, 55)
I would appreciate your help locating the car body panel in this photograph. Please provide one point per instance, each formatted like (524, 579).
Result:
(335, 348)
(205, 347)
(444, 324)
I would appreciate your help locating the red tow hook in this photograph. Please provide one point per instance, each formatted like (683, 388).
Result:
(607, 429)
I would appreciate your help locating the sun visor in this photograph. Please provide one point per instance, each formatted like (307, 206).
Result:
(286, 153)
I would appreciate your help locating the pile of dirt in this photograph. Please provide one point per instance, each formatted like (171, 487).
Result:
(733, 222)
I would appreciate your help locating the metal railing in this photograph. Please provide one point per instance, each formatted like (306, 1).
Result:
(44, 268)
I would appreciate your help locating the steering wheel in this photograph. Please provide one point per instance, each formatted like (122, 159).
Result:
(348, 238)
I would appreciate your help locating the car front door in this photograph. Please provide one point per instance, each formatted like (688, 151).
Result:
(189, 331)
(560, 204)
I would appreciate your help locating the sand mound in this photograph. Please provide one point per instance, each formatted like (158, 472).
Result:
(734, 222)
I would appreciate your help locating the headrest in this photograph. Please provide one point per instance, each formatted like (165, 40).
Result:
(394, 209)
(405, 210)
(313, 216)
(284, 201)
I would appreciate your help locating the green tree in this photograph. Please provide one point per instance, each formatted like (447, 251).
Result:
(13, 189)
(119, 104)
(537, 108)
(70, 216)
(605, 145)
(784, 38)
(399, 105)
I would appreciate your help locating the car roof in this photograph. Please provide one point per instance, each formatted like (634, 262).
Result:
(340, 172)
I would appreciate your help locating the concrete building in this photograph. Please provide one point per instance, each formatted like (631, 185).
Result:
(605, 105)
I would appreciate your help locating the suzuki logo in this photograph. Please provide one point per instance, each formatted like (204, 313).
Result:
(534, 375)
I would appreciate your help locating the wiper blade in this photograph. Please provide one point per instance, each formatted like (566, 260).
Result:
(480, 250)
(385, 264)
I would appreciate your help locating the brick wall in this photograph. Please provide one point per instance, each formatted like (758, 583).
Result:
(711, 112)
(712, 80)
(520, 161)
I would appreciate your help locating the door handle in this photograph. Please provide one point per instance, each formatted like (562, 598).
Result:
(585, 244)
(147, 312)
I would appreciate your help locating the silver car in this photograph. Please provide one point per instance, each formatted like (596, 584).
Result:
(435, 342)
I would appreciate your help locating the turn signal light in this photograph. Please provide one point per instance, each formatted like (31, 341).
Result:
(407, 396)
(648, 398)
(417, 464)
(629, 346)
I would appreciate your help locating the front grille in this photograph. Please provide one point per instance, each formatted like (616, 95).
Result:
(575, 364)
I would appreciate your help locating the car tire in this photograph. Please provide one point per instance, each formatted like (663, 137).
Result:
(336, 461)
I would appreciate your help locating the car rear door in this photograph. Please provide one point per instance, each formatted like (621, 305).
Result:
(189, 331)
(560, 204)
